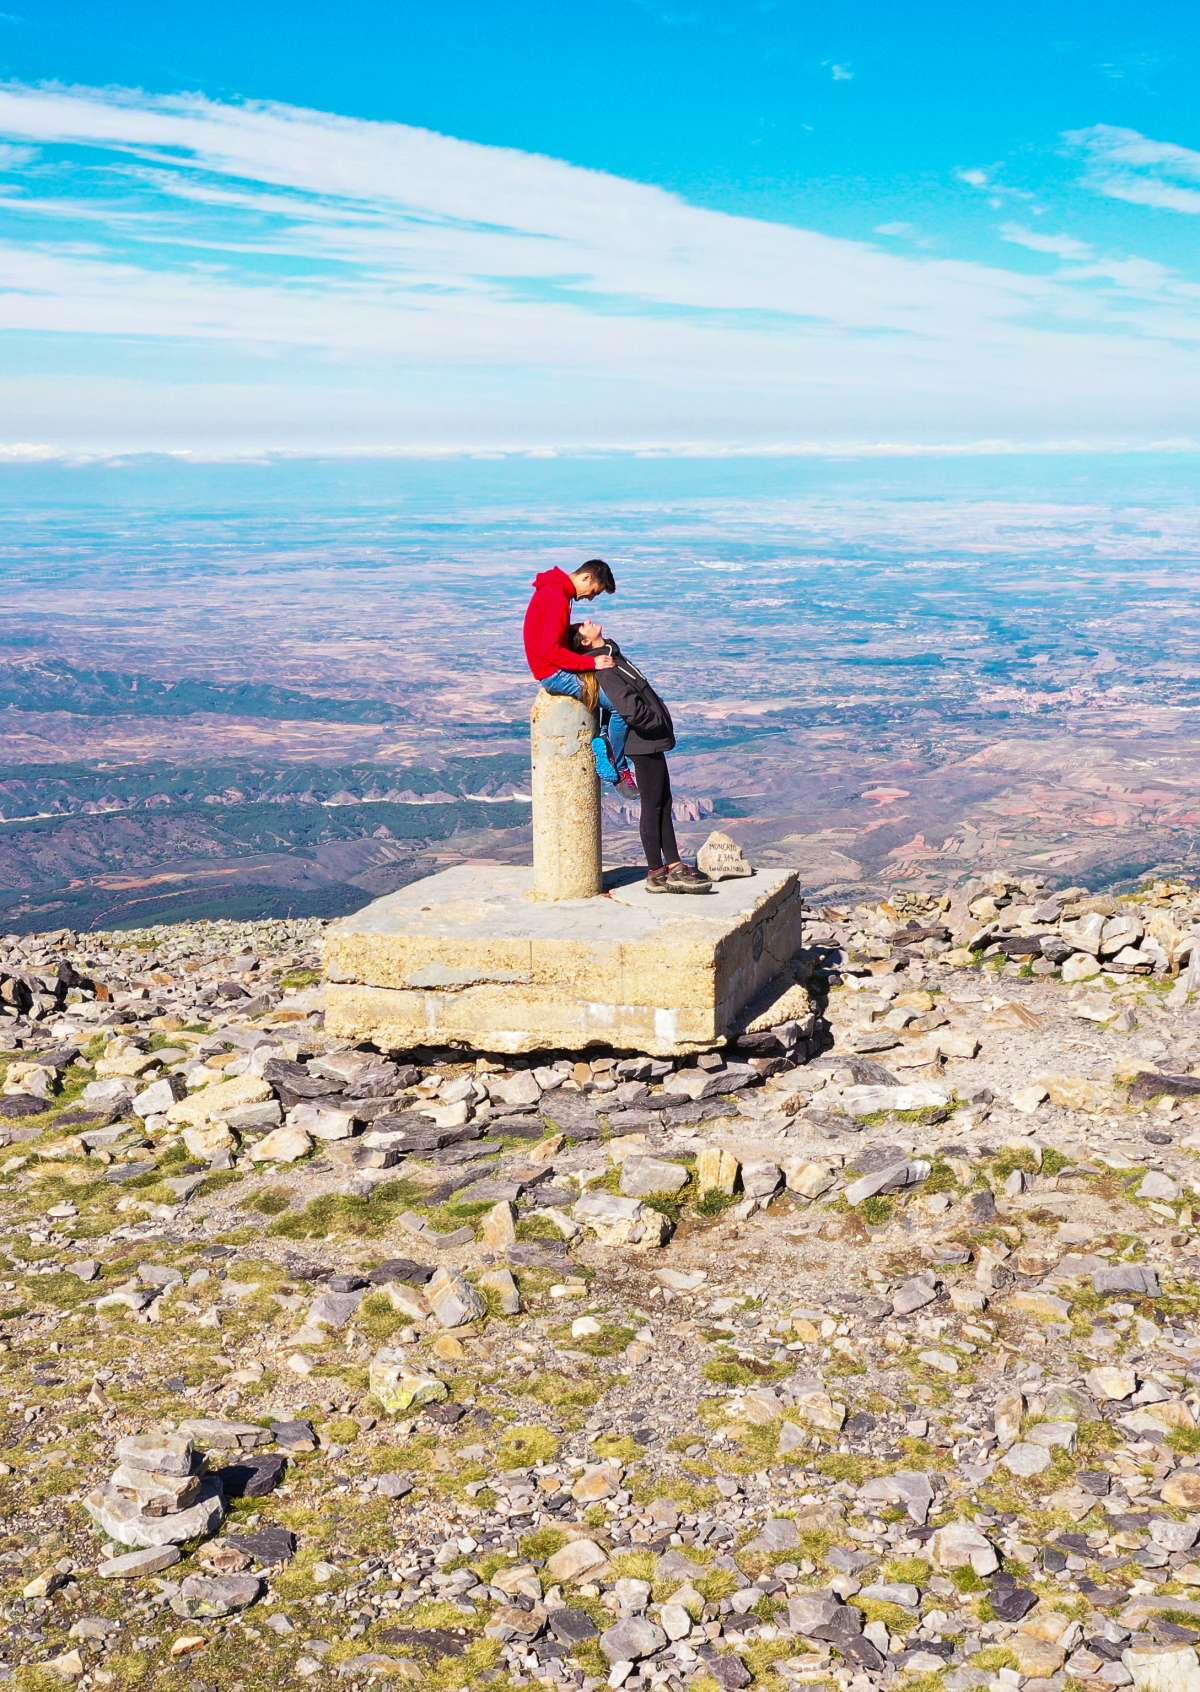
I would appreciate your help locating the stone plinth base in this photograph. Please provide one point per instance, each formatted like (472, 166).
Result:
(468, 958)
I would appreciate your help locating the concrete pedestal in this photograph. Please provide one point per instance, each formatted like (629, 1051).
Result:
(470, 958)
(566, 800)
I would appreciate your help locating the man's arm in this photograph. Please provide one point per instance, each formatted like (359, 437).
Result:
(592, 635)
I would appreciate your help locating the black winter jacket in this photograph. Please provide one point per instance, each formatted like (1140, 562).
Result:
(650, 725)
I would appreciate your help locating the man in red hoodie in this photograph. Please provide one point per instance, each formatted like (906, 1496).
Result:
(557, 663)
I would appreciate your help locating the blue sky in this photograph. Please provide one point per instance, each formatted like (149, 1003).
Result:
(667, 224)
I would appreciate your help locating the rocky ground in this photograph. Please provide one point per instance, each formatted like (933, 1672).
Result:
(344, 1368)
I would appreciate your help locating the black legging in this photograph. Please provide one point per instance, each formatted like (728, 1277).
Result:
(657, 828)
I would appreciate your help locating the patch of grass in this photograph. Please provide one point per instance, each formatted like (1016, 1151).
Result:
(537, 1228)
(713, 1202)
(914, 1571)
(218, 1179)
(300, 978)
(715, 1584)
(271, 1202)
(941, 1178)
(893, 1616)
(562, 1392)
(525, 1445)
(343, 1430)
(617, 1448)
(1184, 1440)
(635, 1565)
(742, 1371)
(994, 1657)
(542, 1543)
(611, 1339)
(849, 1466)
(332, 1214)
(379, 1319)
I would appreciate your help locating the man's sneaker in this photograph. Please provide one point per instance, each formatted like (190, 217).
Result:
(656, 881)
(605, 768)
(684, 879)
(628, 780)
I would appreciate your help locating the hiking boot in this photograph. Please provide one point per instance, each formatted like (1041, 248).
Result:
(682, 878)
(656, 881)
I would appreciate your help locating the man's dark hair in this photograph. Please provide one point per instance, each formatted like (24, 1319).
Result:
(600, 573)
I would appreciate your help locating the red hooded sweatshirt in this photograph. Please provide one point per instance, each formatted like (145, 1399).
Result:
(546, 623)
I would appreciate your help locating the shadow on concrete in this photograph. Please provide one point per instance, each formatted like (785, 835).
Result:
(623, 877)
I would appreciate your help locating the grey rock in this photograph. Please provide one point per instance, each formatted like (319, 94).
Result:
(168, 1454)
(267, 1546)
(914, 1294)
(334, 1309)
(809, 1611)
(121, 1519)
(134, 1564)
(453, 1301)
(760, 1178)
(891, 1178)
(778, 1534)
(204, 1596)
(643, 1176)
(215, 1433)
(572, 1627)
(1132, 1278)
(155, 1493)
(632, 1639)
(159, 1096)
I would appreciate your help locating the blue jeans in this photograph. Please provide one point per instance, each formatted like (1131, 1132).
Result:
(567, 681)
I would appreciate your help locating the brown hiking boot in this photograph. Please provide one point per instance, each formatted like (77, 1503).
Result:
(682, 878)
(656, 880)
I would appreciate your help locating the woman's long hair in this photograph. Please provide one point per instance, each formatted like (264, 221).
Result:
(591, 689)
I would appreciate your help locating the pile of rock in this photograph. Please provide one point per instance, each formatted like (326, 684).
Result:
(159, 1496)
(1067, 932)
(37, 993)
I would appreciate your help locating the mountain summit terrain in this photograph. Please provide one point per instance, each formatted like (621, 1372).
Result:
(863, 1353)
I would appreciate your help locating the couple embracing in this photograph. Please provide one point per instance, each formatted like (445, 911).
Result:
(636, 729)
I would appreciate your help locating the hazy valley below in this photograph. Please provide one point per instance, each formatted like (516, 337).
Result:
(282, 691)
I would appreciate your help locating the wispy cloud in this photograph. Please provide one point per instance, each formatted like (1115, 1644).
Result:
(988, 181)
(839, 73)
(1123, 164)
(1061, 246)
(314, 280)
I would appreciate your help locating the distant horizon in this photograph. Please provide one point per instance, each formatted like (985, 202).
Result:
(25, 453)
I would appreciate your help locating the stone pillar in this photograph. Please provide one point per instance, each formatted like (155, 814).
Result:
(566, 800)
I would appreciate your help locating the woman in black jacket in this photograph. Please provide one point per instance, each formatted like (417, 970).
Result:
(651, 736)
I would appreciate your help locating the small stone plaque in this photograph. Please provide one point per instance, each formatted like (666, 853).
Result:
(722, 859)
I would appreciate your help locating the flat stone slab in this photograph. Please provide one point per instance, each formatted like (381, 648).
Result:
(468, 958)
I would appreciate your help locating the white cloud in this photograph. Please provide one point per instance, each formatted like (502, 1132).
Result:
(13, 158)
(317, 280)
(1061, 246)
(973, 178)
(1123, 164)
(1165, 196)
(839, 73)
